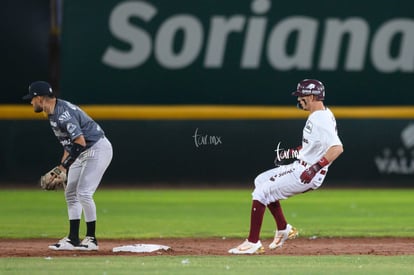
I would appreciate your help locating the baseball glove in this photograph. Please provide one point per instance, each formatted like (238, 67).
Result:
(53, 179)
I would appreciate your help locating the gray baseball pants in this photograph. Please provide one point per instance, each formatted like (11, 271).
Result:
(84, 177)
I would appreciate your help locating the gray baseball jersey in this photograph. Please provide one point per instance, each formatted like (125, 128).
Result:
(68, 122)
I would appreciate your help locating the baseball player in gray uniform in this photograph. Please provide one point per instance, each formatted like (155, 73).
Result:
(87, 154)
(320, 147)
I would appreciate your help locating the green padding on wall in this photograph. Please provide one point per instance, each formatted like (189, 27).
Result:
(214, 152)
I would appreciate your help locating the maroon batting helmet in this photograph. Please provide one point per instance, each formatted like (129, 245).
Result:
(310, 87)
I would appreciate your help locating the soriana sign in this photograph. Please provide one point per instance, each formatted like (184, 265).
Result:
(237, 52)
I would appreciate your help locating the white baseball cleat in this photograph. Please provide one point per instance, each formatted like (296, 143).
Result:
(63, 244)
(88, 244)
(248, 248)
(282, 235)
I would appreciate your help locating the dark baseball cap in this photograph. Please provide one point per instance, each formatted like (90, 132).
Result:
(38, 88)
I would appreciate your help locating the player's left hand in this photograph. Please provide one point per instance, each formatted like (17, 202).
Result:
(310, 173)
(53, 179)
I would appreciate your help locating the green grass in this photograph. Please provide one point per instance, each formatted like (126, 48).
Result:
(206, 213)
(136, 213)
(210, 265)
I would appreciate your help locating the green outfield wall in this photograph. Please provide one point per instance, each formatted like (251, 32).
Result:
(24, 46)
(244, 52)
(200, 92)
(193, 150)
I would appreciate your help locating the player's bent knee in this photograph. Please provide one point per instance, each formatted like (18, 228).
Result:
(84, 197)
(257, 195)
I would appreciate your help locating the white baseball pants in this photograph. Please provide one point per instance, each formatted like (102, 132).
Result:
(283, 182)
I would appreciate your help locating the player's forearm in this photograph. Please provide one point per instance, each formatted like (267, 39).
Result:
(65, 155)
(333, 153)
(80, 140)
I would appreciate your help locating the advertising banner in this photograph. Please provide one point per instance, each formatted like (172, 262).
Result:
(248, 52)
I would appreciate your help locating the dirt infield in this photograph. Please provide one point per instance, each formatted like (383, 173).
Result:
(218, 247)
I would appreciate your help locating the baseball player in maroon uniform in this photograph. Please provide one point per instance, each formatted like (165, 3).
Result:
(320, 147)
